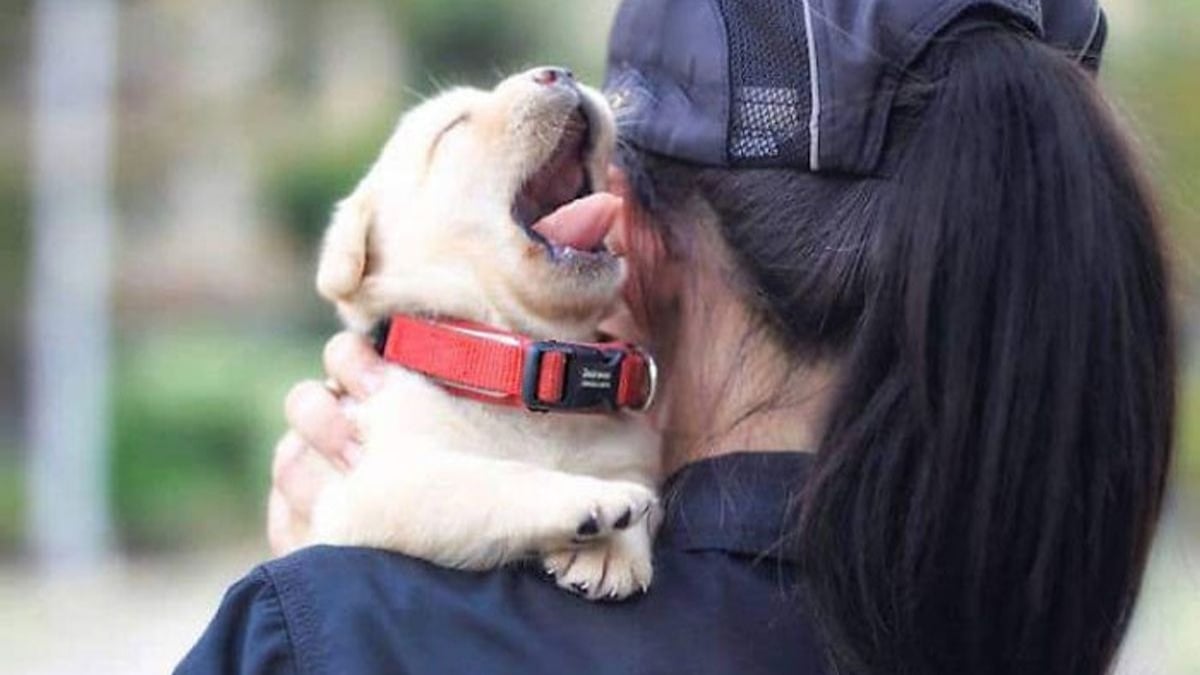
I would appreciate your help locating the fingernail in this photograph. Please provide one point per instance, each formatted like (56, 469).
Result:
(353, 454)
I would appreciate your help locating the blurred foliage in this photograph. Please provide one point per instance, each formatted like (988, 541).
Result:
(472, 42)
(196, 415)
(12, 500)
(1188, 447)
(13, 232)
(303, 185)
(467, 40)
(1153, 75)
(14, 245)
(447, 41)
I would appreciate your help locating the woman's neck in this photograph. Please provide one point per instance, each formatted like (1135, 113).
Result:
(729, 388)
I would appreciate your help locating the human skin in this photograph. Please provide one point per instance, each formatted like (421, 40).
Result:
(719, 369)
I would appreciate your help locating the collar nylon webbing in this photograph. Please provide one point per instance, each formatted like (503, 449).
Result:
(496, 366)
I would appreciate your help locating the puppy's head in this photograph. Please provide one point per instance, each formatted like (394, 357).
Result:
(444, 221)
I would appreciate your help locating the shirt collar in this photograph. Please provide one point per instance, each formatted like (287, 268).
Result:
(740, 503)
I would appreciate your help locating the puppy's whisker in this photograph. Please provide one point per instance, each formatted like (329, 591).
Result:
(416, 93)
(437, 84)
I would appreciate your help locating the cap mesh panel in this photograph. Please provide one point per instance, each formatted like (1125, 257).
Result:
(769, 82)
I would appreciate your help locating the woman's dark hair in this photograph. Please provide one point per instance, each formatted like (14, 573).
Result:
(993, 466)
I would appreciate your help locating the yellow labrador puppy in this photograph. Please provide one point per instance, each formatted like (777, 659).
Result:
(448, 224)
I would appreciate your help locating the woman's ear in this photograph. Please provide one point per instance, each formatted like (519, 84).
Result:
(634, 234)
(344, 251)
(652, 277)
(624, 233)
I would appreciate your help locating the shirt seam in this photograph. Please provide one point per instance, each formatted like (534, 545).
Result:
(298, 622)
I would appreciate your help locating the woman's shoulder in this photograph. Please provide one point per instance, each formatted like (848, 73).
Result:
(723, 600)
(366, 610)
(345, 609)
(341, 609)
(326, 609)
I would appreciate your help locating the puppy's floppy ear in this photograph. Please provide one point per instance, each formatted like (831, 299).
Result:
(344, 252)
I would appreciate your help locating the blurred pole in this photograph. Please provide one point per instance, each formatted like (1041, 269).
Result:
(73, 66)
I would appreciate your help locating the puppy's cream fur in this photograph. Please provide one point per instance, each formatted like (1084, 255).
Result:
(430, 231)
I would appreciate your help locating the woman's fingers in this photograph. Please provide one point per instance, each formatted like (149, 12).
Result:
(322, 440)
(293, 492)
(287, 452)
(320, 421)
(352, 362)
(298, 475)
(282, 525)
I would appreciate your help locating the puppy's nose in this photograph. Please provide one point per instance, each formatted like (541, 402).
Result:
(552, 76)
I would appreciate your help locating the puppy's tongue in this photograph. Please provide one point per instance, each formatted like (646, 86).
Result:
(582, 224)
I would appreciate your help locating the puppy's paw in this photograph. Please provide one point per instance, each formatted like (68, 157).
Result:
(610, 569)
(613, 507)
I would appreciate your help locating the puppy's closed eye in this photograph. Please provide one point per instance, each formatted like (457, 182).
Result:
(461, 119)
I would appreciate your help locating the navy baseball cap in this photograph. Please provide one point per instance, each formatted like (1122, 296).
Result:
(806, 84)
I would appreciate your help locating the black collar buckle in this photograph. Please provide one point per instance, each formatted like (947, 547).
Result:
(591, 377)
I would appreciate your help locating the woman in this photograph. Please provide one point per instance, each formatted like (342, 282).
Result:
(906, 282)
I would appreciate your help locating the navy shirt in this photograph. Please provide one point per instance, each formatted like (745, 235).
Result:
(723, 601)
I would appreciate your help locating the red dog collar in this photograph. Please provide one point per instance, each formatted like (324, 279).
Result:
(489, 364)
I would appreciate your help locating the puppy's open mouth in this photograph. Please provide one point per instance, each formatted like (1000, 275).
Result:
(559, 181)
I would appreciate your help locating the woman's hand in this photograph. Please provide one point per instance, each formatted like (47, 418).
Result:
(322, 440)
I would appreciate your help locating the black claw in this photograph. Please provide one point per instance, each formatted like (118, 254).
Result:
(580, 587)
(623, 522)
(589, 527)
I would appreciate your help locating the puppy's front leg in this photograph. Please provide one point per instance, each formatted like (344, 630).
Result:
(469, 511)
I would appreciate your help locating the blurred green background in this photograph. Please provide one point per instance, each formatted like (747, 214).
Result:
(237, 125)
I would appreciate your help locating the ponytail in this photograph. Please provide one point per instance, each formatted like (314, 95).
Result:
(994, 464)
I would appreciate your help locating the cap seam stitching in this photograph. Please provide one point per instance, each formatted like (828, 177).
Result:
(814, 116)
(1087, 43)
(719, 8)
